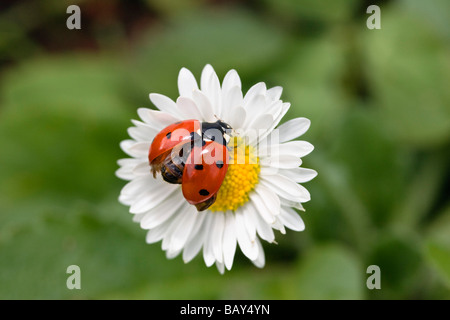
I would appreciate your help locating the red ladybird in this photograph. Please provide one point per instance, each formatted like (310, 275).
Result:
(195, 155)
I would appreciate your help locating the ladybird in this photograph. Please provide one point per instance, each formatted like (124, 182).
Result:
(195, 155)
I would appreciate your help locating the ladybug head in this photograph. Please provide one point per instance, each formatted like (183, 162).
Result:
(224, 125)
(211, 130)
(226, 129)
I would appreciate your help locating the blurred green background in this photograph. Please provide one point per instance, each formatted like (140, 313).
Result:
(379, 102)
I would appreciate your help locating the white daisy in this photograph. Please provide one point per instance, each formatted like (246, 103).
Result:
(255, 197)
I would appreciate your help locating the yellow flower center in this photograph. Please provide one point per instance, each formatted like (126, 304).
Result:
(241, 177)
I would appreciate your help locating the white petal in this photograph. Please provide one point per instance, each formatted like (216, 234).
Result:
(217, 235)
(182, 231)
(277, 225)
(297, 149)
(208, 253)
(261, 209)
(275, 92)
(198, 224)
(142, 169)
(281, 161)
(269, 171)
(160, 213)
(274, 108)
(204, 106)
(292, 204)
(186, 83)
(263, 121)
(286, 188)
(127, 166)
(210, 85)
(299, 175)
(254, 107)
(258, 89)
(125, 146)
(142, 132)
(262, 227)
(164, 103)
(277, 118)
(237, 118)
(220, 267)
(291, 219)
(267, 203)
(248, 247)
(145, 129)
(129, 162)
(231, 99)
(259, 126)
(260, 261)
(139, 149)
(158, 120)
(156, 234)
(124, 173)
(170, 254)
(249, 213)
(139, 185)
(207, 72)
(231, 80)
(293, 128)
(138, 217)
(229, 240)
(152, 197)
(174, 222)
(188, 107)
(197, 237)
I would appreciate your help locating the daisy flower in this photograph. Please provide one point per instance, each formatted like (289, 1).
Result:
(257, 196)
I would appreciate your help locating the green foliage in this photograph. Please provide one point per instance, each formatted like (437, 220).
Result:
(438, 245)
(379, 107)
(330, 272)
(408, 69)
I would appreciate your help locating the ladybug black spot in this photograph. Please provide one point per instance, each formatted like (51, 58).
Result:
(198, 167)
(203, 192)
(219, 164)
(178, 122)
(169, 135)
(203, 143)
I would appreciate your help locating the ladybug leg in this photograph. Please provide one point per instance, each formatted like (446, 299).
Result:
(206, 204)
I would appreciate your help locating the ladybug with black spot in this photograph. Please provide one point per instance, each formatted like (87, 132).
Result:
(195, 155)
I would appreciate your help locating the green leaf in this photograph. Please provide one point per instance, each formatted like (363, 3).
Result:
(171, 7)
(408, 71)
(400, 259)
(324, 11)
(438, 245)
(330, 272)
(436, 13)
(111, 258)
(61, 124)
(244, 281)
(370, 161)
(311, 80)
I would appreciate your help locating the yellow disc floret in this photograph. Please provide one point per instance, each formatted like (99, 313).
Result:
(241, 177)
